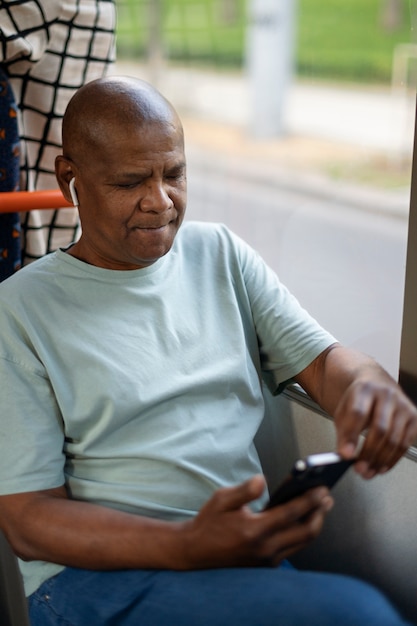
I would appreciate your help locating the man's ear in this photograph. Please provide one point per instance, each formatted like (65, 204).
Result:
(64, 173)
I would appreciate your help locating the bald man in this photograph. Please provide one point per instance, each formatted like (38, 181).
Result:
(131, 365)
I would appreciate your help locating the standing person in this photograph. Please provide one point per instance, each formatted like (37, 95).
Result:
(49, 48)
(131, 366)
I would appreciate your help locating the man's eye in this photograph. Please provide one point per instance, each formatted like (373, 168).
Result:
(128, 185)
(175, 176)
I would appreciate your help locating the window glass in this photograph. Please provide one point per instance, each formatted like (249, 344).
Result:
(299, 120)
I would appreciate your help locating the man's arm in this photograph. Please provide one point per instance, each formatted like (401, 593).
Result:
(49, 526)
(362, 396)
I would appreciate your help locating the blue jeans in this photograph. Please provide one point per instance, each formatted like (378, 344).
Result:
(223, 597)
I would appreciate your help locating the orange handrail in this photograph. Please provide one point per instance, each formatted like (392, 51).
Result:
(18, 201)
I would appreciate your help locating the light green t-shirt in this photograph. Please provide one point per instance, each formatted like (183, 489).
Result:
(141, 390)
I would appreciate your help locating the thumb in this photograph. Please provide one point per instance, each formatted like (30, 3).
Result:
(346, 447)
(233, 498)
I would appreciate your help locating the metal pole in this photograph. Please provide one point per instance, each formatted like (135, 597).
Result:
(269, 62)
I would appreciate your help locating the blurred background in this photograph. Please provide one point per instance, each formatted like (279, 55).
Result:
(299, 120)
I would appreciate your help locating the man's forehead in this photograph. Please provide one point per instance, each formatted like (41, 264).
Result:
(134, 148)
(143, 136)
(114, 139)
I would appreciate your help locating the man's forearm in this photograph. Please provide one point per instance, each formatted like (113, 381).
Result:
(47, 526)
(336, 370)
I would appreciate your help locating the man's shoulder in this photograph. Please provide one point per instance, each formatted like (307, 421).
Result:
(27, 277)
(206, 234)
(213, 238)
(193, 227)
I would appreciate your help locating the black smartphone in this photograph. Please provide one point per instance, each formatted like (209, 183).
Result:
(313, 471)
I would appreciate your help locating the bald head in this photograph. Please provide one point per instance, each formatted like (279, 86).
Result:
(111, 106)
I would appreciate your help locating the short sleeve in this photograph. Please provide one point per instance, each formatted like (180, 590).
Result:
(289, 337)
(31, 432)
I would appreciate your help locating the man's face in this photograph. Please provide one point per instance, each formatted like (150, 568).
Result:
(132, 197)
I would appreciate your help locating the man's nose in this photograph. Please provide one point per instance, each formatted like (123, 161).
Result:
(155, 198)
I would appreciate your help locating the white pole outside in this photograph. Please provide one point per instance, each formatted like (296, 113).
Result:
(269, 63)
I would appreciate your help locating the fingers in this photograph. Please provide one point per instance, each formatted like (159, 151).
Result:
(296, 524)
(351, 417)
(391, 423)
(299, 538)
(301, 507)
(389, 436)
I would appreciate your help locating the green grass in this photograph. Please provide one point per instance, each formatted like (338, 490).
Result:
(336, 39)
(346, 40)
(193, 30)
(203, 31)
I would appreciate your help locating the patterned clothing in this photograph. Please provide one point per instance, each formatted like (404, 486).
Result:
(49, 49)
(9, 179)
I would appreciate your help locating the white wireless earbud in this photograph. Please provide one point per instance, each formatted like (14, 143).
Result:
(73, 192)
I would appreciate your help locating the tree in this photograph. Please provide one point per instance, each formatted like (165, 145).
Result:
(392, 14)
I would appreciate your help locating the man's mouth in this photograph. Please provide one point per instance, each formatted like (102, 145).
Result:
(153, 227)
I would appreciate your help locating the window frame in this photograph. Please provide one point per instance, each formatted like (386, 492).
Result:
(408, 349)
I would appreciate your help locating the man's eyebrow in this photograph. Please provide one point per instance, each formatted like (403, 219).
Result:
(131, 175)
(145, 171)
(176, 166)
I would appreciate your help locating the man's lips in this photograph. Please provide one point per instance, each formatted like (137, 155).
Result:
(153, 225)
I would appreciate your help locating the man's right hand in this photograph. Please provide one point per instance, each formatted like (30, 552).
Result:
(227, 533)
